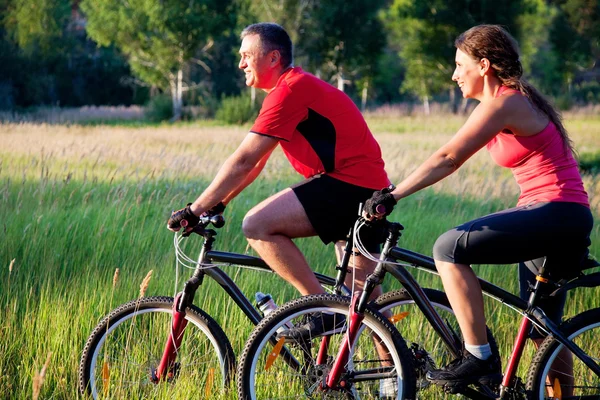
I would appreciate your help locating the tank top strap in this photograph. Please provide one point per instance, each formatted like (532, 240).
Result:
(505, 89)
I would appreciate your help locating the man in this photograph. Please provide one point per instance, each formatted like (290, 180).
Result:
(325, 138)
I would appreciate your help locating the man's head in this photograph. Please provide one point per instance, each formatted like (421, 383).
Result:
(266, 52)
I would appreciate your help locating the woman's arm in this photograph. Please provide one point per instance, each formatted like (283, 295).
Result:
(483, 124)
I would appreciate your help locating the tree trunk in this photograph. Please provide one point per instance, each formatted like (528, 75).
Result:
(340, 82)
(363, 103)
(425, 97)
(340, 79)
(253, 96)
(177, 96)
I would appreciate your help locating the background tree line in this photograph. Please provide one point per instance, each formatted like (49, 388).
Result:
(105, 52)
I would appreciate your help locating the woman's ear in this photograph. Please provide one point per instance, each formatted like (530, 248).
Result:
(484, 65)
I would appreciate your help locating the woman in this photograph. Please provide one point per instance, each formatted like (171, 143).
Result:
(522, 131)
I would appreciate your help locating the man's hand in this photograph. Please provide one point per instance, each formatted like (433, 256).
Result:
(183, 218)
(380, 204)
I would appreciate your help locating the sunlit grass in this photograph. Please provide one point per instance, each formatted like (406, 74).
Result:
(76, 202)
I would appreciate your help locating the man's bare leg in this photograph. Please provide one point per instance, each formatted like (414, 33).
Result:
(359, 268)
(270, 227)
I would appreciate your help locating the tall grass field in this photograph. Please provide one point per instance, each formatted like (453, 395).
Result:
(77, 202)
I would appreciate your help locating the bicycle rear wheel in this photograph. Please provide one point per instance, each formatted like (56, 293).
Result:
(294, 372)
(550, 363)
(124, 350)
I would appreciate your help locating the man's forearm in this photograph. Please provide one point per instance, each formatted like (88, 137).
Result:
(230, 177)
(249, 179)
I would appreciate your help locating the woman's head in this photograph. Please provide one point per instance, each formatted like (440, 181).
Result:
(492, 47)
(493, 43)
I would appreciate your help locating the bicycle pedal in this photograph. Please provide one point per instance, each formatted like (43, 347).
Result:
(454, 388)
(490, 380)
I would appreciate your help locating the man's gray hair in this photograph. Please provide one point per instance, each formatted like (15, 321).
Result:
(272, 37)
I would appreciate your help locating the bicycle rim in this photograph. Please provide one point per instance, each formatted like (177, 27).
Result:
(297, 375)
(125, 349)
(549, 373)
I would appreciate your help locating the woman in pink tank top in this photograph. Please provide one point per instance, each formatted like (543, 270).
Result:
(552, 221)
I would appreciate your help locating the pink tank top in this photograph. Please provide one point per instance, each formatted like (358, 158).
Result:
(544, 169)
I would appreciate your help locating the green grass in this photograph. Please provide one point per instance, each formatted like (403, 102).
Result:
(77, 202)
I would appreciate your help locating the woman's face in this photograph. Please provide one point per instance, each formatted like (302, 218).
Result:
(468, 74)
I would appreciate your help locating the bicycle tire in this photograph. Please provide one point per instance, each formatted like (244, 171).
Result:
(303, 382)
(136, 332)
(584, 330)
(427, 348)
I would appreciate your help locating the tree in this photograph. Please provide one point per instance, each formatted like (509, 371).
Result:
(161, 39)
(39, 25)
(575, 35)
(424, 32)
(343, 38)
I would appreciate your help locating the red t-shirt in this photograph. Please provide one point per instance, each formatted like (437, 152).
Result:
(321, 131)
(544, 169)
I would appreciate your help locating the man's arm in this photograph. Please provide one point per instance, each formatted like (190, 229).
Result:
(237, 171)
(249, 178)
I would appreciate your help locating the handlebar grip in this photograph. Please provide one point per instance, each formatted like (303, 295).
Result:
(217, 220)
(380, 209)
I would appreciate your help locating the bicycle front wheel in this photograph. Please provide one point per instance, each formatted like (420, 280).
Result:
(122, 353)
(554, 369)
(299, 368)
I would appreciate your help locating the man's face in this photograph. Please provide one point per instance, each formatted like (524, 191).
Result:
(257, 65)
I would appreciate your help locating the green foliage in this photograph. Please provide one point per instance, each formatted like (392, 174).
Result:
(343, 37)
(39, 24)
(161, 39)
(586, 92)
(159, 108)
(424, 31)
(236, 110)
(590, 162)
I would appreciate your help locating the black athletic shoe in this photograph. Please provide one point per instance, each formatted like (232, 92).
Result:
(319, 324)
(467, 370)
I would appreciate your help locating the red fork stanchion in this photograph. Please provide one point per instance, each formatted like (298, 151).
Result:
(354, 321)
(167, 362)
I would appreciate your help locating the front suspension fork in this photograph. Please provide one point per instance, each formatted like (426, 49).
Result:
(355, 319)
(165, 369)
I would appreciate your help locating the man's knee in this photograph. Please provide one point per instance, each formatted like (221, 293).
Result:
(252, 226)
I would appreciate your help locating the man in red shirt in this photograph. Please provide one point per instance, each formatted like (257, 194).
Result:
(325, 138)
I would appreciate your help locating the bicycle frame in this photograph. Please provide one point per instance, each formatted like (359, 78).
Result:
(207, 257)
(532, 315)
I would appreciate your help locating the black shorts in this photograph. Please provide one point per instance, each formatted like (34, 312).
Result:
(332, 208)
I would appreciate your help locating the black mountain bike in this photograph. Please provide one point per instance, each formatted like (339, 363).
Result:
(155, 345)
(324, 365)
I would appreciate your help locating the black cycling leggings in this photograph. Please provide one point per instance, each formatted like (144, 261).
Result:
(556, 232)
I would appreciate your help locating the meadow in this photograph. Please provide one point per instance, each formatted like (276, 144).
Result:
(79, 201)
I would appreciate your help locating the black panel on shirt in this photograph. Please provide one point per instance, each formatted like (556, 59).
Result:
(320, 134)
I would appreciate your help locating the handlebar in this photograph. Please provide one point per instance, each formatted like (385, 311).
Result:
(216, 220)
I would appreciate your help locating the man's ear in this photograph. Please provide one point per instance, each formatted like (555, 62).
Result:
(275, 57)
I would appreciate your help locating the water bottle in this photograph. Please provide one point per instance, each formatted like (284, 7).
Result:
(266, 305)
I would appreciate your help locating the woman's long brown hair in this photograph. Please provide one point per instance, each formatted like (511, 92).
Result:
(501, 49)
